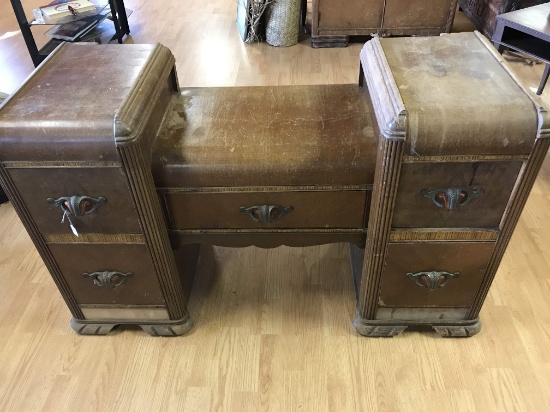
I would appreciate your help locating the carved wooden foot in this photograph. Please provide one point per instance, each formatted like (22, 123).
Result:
(459, 331)
(373, 328)
(162, 328)
(169, 329)
(90, 328)
(329, 41)
(381, 328)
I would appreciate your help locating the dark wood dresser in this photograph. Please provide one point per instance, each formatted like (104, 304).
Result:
(75, 143)
(119, 178)
(333, 21)
(460, 146)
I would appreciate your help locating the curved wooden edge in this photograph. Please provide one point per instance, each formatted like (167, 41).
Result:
(384, 328)
(161, 328)
(386, 100)
(131, 118)
(459, 331)
(178, 328)
(377, 329)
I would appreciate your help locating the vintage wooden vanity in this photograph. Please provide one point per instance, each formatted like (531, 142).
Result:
(423, 168)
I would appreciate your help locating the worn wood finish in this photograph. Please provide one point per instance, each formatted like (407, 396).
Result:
(105, 149)
(313, 209)
(141, 287)
(262, 348)
(333, 22)
(117, 215)
(38, 241)
(388, 110)
(24, 140)
(496, 180)
(270, 238)
(418, 17)
(153, 103)
(309, 147)
(393, 70)
(352, 14)
(469, 259)
(266, 136)
(429, 69)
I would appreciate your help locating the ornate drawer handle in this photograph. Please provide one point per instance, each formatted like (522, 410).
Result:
(77, 205)
(432, 280)
(452, 197)
(109, 280)
(266, 213)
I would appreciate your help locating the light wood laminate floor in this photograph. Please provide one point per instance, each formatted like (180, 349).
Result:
(273, 327)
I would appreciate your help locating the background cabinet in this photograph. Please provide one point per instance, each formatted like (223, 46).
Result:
(333, 21)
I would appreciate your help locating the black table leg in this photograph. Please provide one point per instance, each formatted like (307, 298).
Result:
(544, 79)
(114, 15)
(122, 17)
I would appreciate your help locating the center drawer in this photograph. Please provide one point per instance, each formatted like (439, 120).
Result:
(270, 209)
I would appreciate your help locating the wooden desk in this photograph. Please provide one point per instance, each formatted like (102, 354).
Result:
(526, 31)
(146, 173)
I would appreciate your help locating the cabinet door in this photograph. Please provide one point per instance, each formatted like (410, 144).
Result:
(417, 13)
(350, 14)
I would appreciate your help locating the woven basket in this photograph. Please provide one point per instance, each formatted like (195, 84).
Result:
(282, 22)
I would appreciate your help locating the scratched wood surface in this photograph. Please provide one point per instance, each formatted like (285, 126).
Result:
(273, 326)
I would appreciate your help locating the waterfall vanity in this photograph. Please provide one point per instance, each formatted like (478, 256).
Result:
(423, 168)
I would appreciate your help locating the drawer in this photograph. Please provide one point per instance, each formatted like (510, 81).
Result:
(260, 210)
(410, 268)
(140, 287)
(482, 190)
(116, 216)
(417, 13)
(355, 14)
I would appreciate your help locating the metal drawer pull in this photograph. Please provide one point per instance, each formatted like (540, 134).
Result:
(452, 197)
(266, 213)
(432, 280)
(109, 280)
(77, 205)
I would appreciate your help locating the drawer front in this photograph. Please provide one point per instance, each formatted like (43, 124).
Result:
(109, 273)
(261, 210)
(350, 14)
(430, 274)
(417, 13)
(452, 195)
(116, 216)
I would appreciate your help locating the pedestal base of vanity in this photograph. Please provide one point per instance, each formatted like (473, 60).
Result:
(159, 328)
(383, 328)
(467, 329)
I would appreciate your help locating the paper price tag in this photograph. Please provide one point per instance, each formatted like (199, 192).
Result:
(38, 16)
(75, 232)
